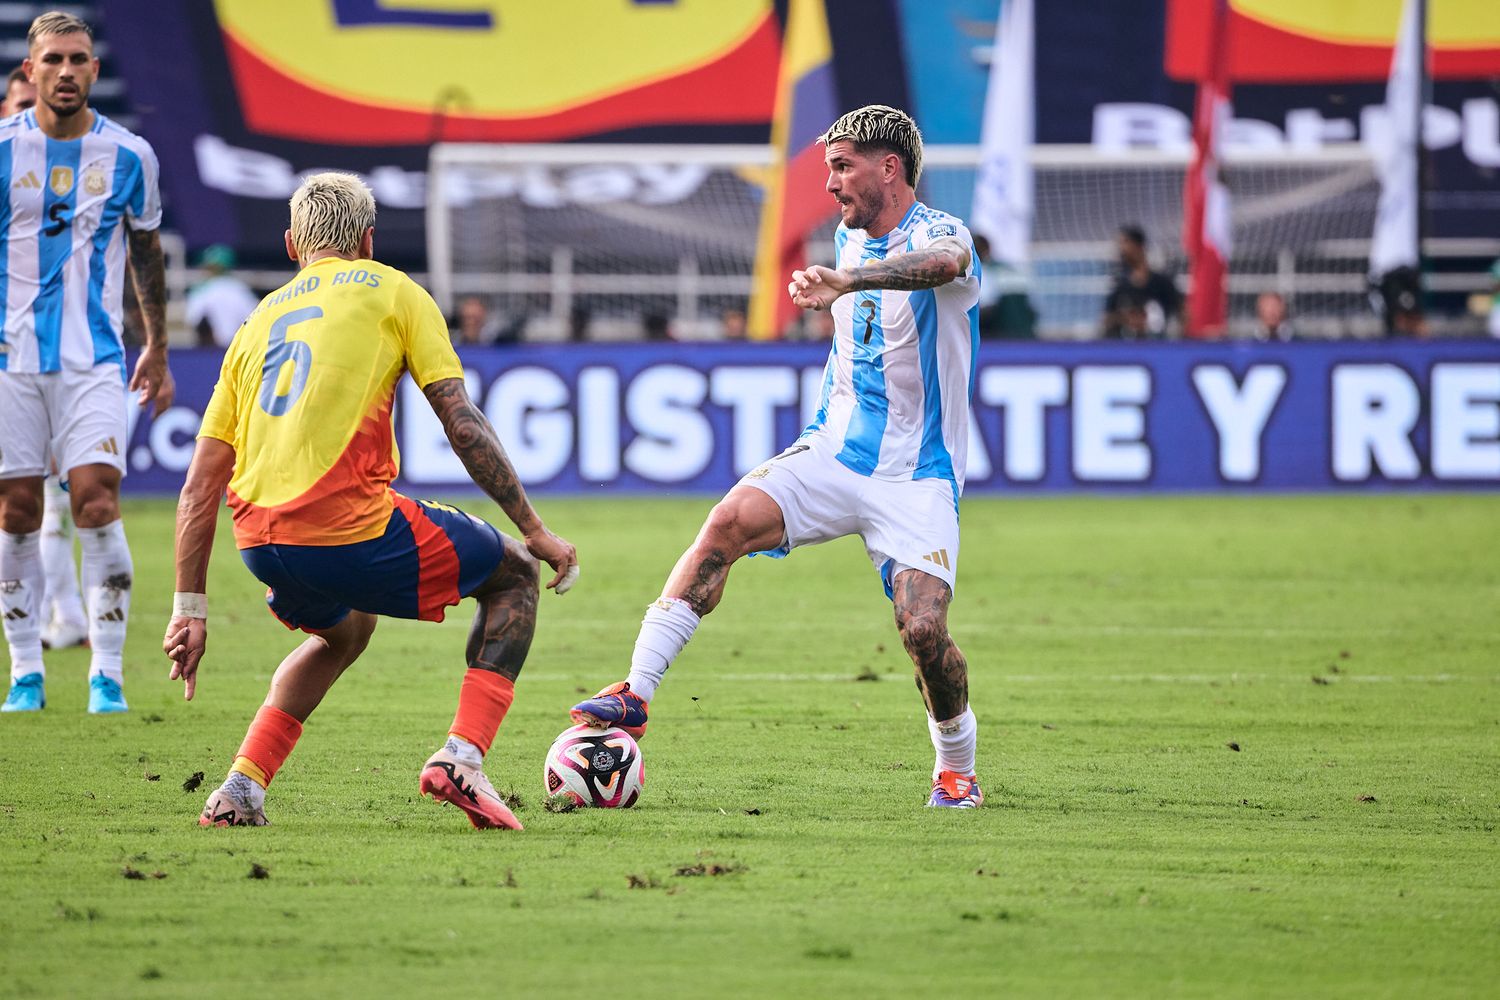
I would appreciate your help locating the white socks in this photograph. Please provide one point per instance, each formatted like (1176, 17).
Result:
(107, 579)
(21, 584)
(667, 627)
(465, 751)
(955, 741)
(63, 602)
(242, 788)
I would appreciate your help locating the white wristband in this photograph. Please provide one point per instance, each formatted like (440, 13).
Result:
(189, 605)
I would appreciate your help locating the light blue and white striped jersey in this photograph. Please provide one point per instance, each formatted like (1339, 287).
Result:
(897, 386)
(62, 249)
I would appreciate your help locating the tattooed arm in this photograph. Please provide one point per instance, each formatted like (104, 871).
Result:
(944, 260)
(475, 443)
(152, 377)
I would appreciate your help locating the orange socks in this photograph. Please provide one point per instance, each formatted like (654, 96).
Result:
(482, 703)
(267, 745)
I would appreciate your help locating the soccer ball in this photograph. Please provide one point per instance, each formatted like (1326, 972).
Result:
(595, 767)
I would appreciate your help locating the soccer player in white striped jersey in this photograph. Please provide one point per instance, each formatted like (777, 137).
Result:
(883, 459)
(80, 192)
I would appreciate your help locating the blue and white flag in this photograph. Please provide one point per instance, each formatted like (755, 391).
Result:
(1394, 243)
(1003, 189)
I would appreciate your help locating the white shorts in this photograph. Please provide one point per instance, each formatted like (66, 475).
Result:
(77, 417)
(905, 524)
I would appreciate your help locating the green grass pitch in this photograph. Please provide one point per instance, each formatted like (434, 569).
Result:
(1231, 747)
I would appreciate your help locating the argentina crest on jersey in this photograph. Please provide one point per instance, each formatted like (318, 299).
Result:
(62, 254)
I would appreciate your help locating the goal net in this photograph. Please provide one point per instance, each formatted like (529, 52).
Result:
(626, 242)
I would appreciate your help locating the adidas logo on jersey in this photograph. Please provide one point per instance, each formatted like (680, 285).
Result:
(117, 615)
(27, 180)
(108, 446)
(15, 615)
(940, 557)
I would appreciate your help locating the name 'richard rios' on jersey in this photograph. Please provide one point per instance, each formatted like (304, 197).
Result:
(899, 377)
(62, 249)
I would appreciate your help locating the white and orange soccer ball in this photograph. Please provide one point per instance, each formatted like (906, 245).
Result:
(595, 767)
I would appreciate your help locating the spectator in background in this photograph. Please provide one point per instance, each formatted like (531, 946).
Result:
(218, 304)
(733, 323)
(579, 318)
(1271, 322)
(819, 325)
(1400, 301)
(1005, 310)
(1139, 287)
(473, 324)
(1495, 299)
(20, 93)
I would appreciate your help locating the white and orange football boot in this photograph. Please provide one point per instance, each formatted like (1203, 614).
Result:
(448, 779)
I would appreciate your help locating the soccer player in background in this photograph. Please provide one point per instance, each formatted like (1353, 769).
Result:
(62, 604)
(83, 194)
(884, 457)
(299, 430)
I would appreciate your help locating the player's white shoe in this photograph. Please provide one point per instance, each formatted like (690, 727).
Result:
(64, 635)
(448, 779)
(224, 808)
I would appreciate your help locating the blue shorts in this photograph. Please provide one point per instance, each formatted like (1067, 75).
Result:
(430, 557)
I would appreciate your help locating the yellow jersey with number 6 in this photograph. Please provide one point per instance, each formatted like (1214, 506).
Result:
(304, 397)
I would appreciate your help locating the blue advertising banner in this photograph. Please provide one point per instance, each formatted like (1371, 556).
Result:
(1047, 417)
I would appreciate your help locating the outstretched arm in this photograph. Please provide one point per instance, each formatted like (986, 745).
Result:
(197, 516)
(475, 443)
(152, 377)
(943, 261)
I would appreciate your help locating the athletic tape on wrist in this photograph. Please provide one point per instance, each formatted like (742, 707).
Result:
(189, 605)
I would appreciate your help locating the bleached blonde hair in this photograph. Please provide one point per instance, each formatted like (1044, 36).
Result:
(331, 211)
(877, 127)
(55, 22)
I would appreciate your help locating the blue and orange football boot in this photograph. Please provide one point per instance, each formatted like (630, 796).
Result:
(616, 706)
(952, 790)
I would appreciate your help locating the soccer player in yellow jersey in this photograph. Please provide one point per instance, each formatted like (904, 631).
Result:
(299, 432)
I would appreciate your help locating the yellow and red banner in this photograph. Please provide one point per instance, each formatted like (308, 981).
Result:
(796, 202)
(374, 71)
(1309, 41)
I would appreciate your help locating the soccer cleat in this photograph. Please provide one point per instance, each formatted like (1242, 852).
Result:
(224, 809)
(615, 706)
(956, 791)
(105, 696)
(64, 635)
(26, 695)
(448, 779)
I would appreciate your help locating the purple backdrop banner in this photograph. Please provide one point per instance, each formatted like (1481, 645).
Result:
(1047, 417)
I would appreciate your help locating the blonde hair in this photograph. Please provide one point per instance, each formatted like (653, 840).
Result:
(877, 127)
(331, 211)
(55, 22)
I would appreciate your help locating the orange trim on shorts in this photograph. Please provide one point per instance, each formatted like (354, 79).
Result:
(347, 504)
(437, 561)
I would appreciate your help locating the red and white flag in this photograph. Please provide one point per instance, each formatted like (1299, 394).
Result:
(1206, 226)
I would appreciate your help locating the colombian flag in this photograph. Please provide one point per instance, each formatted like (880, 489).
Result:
(795, 201)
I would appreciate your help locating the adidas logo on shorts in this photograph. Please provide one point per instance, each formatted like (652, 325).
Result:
(940, 557)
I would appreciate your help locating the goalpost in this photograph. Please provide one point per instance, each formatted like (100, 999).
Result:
(630, 239)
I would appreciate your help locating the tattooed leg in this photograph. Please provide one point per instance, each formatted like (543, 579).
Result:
(506, 619)
(745, 521)
(921, 603)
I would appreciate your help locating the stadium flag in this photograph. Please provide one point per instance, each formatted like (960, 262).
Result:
(1003, 195)
(1206, 223)
(795, 202)
(1394, 243)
